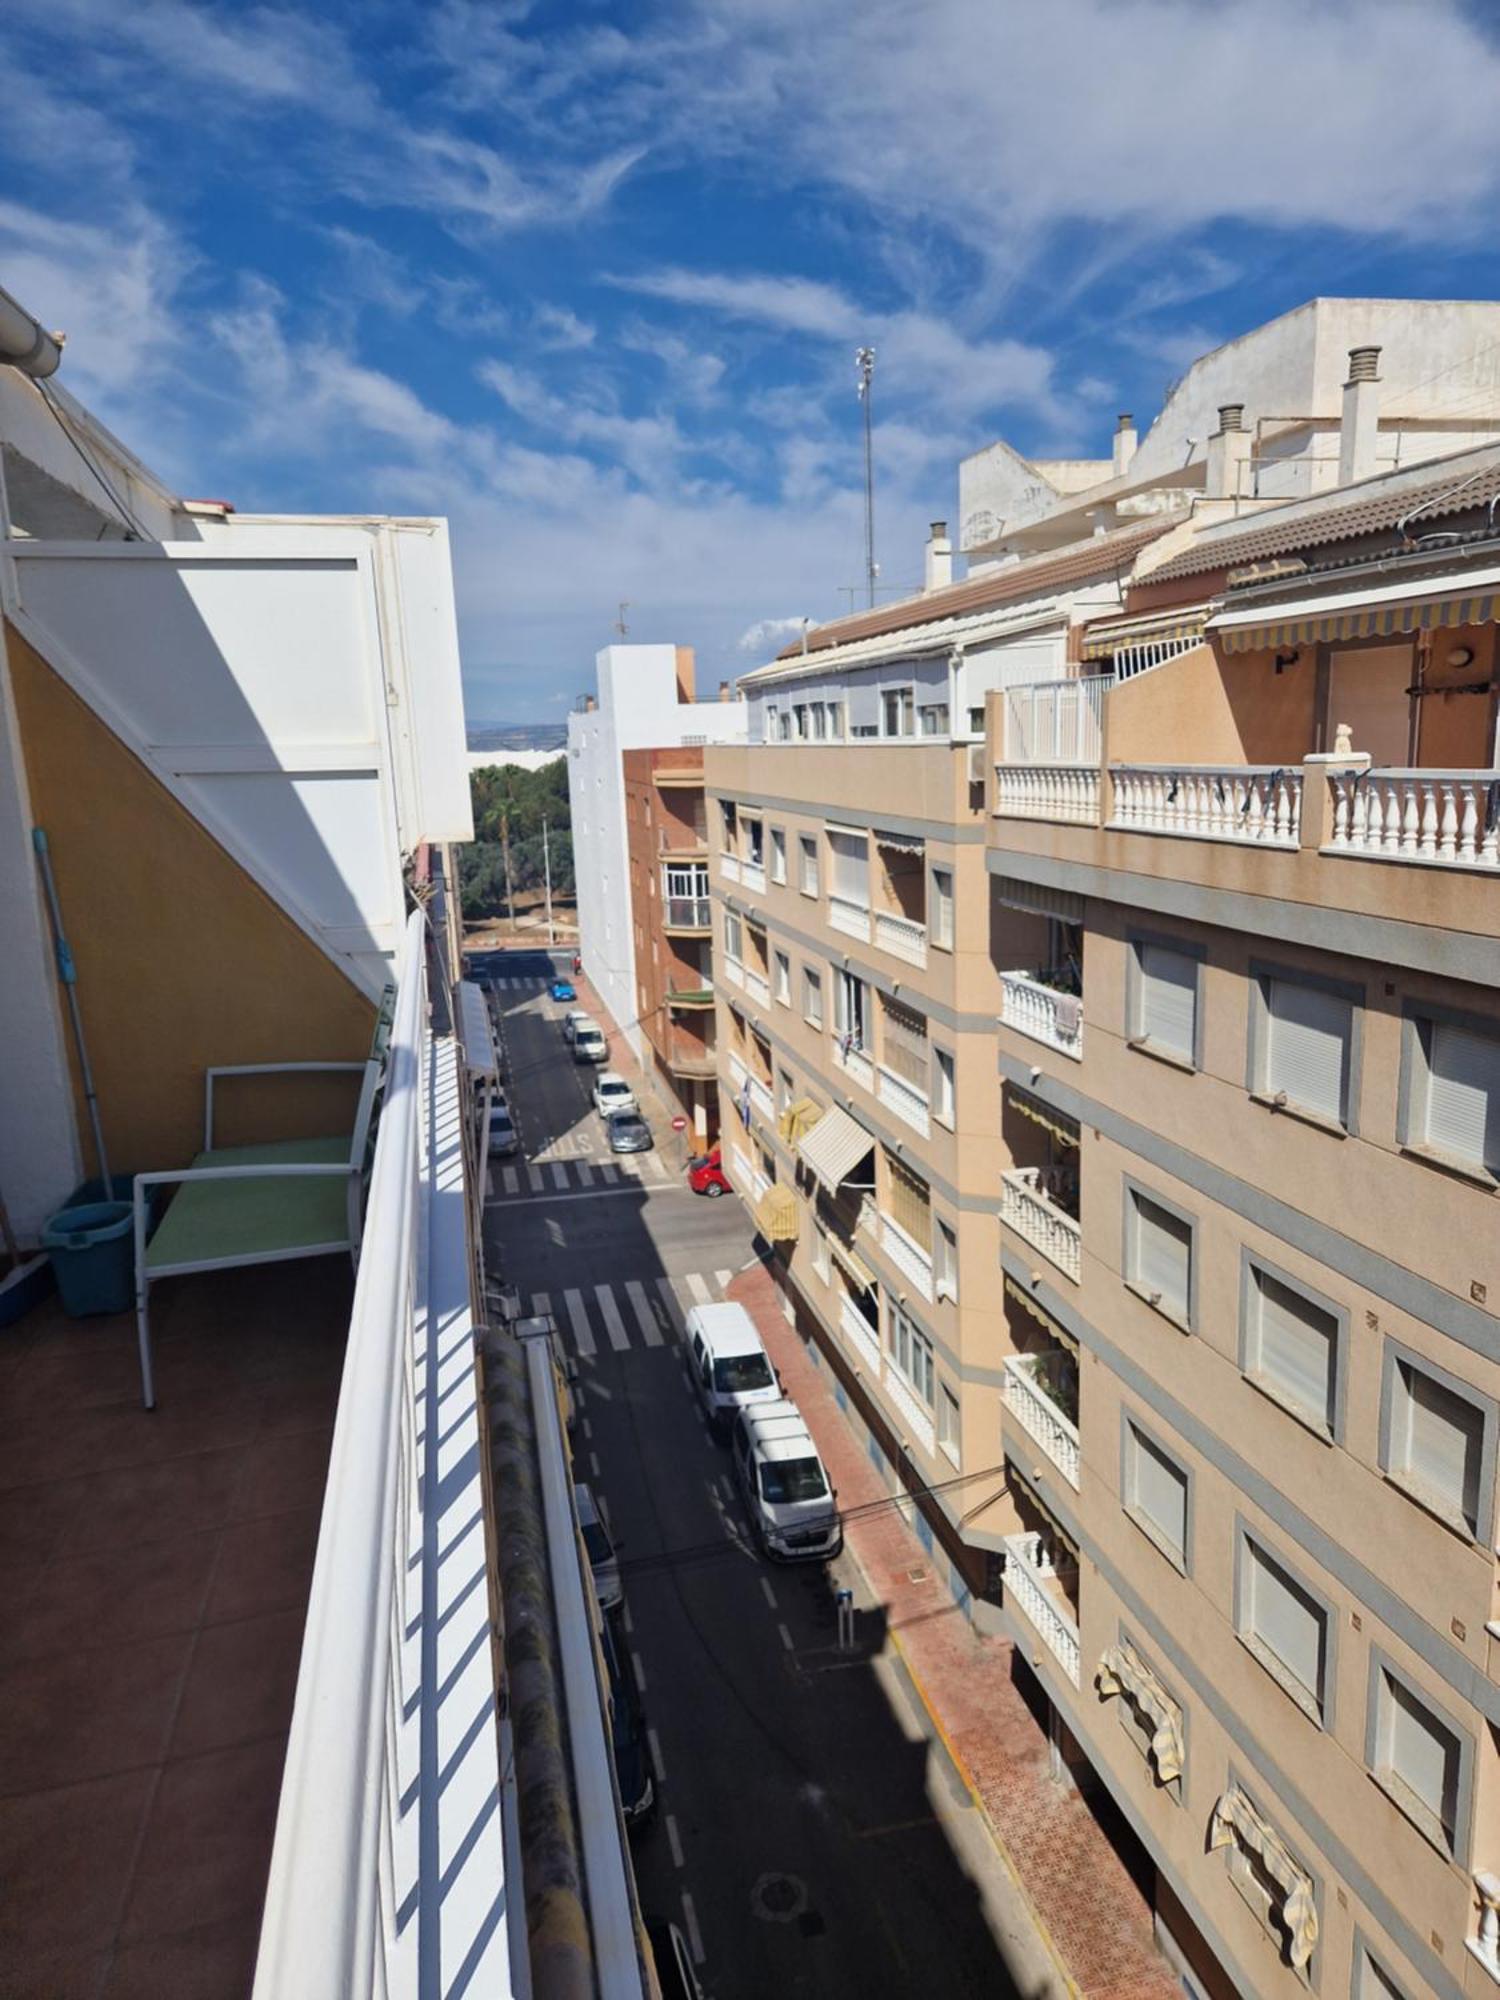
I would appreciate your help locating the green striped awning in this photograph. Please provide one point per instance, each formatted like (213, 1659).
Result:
(1158, 628)
(1313, 622)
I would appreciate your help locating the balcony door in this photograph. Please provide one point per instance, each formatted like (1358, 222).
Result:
(1369, 687)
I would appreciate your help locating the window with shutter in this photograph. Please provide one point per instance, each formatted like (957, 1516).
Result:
(942, 908)
(1291, 1347)
(903, 1047)
(1167, 1000)
(1435, 1445)
(910, 1203)
(1305, 1054)
(808, 847)
(1374, 1983)
(778, 855)
(812, 996)
(1156, 1493)
(1461, 1114)
(850, 854)
(944, 1101)
(1285, 1625)
(1159, 1255)
(1418, 1759)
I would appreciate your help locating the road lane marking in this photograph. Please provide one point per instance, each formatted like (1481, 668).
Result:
(673, 1308)
(588, 1428)
(636, 1292)
(619, 1339)
(653, 1744)
(786, 1639)
(512, 1180)
(559, 1174)
(585, 1174)
(695, 1936)
(541, 1305)
(767, 1592)
(594, 1463)
(603, 1506)
(489, 1183)
(702, 1296)
(639, 1671)
(726, 1488)
(625, 1618)
(723, 1279)
(673, 1841)
(583, 1333)
(578, 1194)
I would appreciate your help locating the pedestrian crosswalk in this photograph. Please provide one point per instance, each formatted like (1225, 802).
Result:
(520, 985)
(619, 1318)
(539, 1177)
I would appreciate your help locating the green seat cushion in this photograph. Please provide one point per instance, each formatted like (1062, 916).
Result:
(239, 1221)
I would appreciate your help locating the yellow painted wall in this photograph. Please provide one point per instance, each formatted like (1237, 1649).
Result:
(183, 960)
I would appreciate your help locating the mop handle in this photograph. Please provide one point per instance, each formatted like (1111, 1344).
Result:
(67, 972)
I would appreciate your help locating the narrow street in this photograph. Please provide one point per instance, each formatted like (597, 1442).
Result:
(804, 1837)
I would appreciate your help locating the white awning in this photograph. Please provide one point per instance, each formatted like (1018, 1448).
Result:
(1233, 1819)
(1362, 614)
(1064, 904)
(475, 1032)
(835, 1146)
(900, 843)
(1123, 1671)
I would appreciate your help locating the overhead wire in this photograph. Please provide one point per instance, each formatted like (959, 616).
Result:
(67, 430)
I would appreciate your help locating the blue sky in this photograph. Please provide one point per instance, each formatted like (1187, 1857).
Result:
(588, 278)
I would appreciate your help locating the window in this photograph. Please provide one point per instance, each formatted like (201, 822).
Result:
(783, 979)
(910, 1202)
(1290, 1346)
(731, 826)
(898, 708)
(1164, 1000)
(976, 721)
(786, 1090)
(910, 1351)
(1437, 1441)
(819, 720)
(812, 996)
(1305, 1039)
(942, 908)
(1416, 1756)
(836, 719)
(820, 1251)
(903, 1043)
(778, 854)
(755, 851)
(1159, 1254)
(799, 721)
(733, 937)
(849, 1016)
(1284, 1625)
(1156, 1494)
(945, 1262)
(1373, 1982)
(944, 1095)
(807, 847)
(950, 1425)
(1455, 1092)
(773, 723)
(850, 856)
(934, 719)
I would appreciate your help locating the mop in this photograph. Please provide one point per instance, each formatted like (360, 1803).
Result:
(68, 974)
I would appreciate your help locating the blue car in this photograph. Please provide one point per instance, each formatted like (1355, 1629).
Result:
(562, 990)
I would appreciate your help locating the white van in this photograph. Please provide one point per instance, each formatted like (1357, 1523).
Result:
(729, 1366)
(786, 1489)
(589, 1044)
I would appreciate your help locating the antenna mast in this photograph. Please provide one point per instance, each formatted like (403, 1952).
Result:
(864, 361)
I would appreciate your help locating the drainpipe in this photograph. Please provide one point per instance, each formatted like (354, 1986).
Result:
(1359, 429)
(25, 343)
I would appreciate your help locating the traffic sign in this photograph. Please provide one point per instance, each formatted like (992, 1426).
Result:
(679, 1124)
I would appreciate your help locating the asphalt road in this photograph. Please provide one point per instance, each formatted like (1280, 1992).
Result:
(808, 1838)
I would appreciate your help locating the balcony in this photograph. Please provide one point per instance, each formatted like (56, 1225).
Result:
(733, 970)
(1256, 805)
(1032, 1213)
(687, 999)
(729, 867)
(853, 1061)
(860, 1335)
(914, 1414)
(1442, 818)
(757, 986)
(901, 936)
(1034, 1007)
(753, 876)
(1037, 1389)
(1031, 1586)
(907, 1101)
(853, 919)
(1067, 792)
(910, 1259)
(690, 914)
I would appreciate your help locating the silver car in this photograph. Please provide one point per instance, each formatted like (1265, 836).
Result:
(628, 1132)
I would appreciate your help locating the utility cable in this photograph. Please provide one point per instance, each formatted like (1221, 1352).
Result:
(67, 430)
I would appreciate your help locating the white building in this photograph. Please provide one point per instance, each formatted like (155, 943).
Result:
(644, 702)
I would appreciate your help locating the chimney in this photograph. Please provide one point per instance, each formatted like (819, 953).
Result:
(724, 694)
(589, 704)
(1360, 429)
(1228, 455)
(1125, 442)
(685, 672)
(939, 568)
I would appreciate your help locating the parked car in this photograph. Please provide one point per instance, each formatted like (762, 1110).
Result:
(730, 1367)
(504, 1139)
(627, 1730)
(589, 1045)
(674, 1962)
(562, 989)
(787, 1495)
(613, 1093)
(570, 1022)
(628, 1132)
(705, 1174)
(604, 1564)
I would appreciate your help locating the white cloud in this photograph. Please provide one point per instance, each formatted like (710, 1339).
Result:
(767, 634)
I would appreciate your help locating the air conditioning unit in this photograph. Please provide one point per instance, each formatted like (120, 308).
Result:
(976, 763)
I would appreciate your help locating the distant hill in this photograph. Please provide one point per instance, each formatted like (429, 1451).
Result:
(517, 735)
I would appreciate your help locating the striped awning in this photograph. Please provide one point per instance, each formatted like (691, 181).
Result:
(797, 1119)
(1057, 1123)
(1055, 1327)
(855, 1267)
(1039, 897)
(1157, 628)
(776, 1214)
(1373, 614)
(834, 1147)
(900, 843)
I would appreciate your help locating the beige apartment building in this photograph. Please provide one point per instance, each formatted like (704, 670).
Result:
(1120, 1089)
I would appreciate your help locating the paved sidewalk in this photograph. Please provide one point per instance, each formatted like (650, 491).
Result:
(1085, 1903)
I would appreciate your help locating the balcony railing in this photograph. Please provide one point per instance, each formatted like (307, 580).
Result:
(733, 969)
(854, 1063)
(687, 913)
(729, 867)
(691, 996)
(1040, 1011)
(753, 874)
(1029, 1577)
(1056, 720)
(917, 1418)
(1450, 819)
(908, 1103)
(902, 937)
(860, 1335)
(910, 1259)
(757, 986)
(853, 919)
(1028, 1393)
(1068, 792)
(1260, 804)
(761, 1100)
(1044, 1225)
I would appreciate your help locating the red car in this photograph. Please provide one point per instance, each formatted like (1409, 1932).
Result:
(706, 1174)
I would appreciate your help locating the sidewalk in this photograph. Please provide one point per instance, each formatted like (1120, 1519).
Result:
(1084, 1902)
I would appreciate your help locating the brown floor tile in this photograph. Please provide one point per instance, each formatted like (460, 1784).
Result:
(112, 1597)
(216, 1962)
(264, 1565)
(65, 1860)
(74, 1716)
(241, 1683)
(208, 1841)
(285, 1473)
(34, 1520)
(72, 1976)
(143, 1503)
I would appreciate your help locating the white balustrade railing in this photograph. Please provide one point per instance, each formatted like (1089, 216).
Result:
(902, 937)
(1485, 1944)
(860, 1335)
(1027, 1395)
(853, 919)
(1068, 792)
(729, 867)
(918, 1419)
(1041, 1012)
(854, 1063)
(908, 1103)
(753, 874)
(1260, 804)
(910, 1259)
(1044, 1225)
(1448, 818)
(1026, 1577)
(757, 986)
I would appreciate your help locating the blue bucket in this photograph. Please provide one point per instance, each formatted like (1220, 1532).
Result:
(93, 1256)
